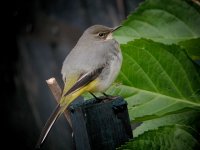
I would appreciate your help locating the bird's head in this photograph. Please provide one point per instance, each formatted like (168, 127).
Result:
(99, 33)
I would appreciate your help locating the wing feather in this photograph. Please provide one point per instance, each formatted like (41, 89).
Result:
(84, 80)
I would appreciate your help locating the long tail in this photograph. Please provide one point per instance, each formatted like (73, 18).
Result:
(56, 113)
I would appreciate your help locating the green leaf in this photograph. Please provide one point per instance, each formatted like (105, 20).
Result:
(192, 47)
(156, 80)
(160, 82)
(189, 118)
(166, 138)
(166, 21)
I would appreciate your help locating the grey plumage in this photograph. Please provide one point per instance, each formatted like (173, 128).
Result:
(95, 53)
(96, 56)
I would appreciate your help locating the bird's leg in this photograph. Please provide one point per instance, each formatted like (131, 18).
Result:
(97, 98)
(94, 95)
(106, 95)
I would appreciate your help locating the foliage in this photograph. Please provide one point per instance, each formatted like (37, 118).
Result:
(166, 21)
(169, 137)
(158, 79)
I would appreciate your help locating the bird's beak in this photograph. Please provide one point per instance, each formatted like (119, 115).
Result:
(115, 28)
(110, 34)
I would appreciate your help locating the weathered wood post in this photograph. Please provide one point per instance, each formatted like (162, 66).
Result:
(97, 125)
(100, 126)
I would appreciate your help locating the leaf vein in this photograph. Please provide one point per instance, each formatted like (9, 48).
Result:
(169, 13)
(166, 73)
(149, 79)
(150, 25)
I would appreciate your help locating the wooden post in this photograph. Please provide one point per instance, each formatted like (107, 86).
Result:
(56, 91)
(97, 125)
(100, 126)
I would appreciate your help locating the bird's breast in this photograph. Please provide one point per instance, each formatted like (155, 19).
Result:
(110, 72)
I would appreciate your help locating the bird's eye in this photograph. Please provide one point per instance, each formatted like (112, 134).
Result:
(101, 34)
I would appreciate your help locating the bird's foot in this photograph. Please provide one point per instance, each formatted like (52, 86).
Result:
(110, 97)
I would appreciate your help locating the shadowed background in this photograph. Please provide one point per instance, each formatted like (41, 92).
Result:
(40, 33)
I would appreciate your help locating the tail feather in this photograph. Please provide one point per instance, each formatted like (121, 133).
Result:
(56, 113)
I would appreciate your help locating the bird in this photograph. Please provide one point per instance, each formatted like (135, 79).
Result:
(91, 66)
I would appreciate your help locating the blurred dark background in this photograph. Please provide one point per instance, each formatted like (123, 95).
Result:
(38, 34)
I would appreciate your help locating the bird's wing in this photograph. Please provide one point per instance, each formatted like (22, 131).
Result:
(75, 84)
(84, 80)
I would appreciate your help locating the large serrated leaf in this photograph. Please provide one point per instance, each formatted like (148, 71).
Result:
(189, 118)
(161, 83)
(166, 138)
(157, 79)
(166, 21)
